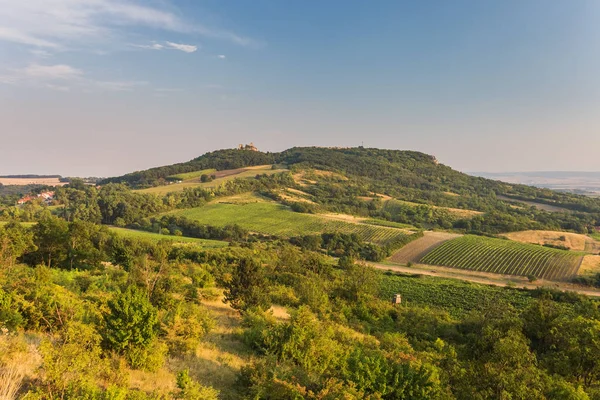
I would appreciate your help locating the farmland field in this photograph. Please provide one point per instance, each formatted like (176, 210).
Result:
(414, 251)
(505, 257)
(191, 175)
(32, 181)
(573, 241)
(131, 233)
(221, 177)
(276, 219)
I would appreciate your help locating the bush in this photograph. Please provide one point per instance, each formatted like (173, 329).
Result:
(185, 326)
(131, 321)
(149, 358)
(191, 390)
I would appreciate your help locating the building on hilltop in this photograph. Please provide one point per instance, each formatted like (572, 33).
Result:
(250, 147)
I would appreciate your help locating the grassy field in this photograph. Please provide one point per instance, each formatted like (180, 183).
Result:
(195, 182)
(505, 257)
(191, 175)
(275, 219)
(179, 239)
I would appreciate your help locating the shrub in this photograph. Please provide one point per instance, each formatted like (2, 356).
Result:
(149, 358)
(191, 390)
(131, 321)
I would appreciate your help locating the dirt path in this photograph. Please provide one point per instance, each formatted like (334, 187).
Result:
(483, 278)
(415, 250)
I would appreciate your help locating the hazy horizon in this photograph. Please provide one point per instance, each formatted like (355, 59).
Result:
(106, 87)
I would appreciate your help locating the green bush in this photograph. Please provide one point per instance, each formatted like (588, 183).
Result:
(130, 323)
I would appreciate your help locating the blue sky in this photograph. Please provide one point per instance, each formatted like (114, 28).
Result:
(104, 87)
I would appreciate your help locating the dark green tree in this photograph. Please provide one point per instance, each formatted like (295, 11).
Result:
(131, 321)
(247, 287)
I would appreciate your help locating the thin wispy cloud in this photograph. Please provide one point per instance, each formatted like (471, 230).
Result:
(186, 48)
(63, 78)
(76, 24)
(52, 72)
(221, 56)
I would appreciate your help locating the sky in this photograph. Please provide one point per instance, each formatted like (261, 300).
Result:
(106, 87)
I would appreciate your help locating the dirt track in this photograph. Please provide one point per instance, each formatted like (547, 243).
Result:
(415, 250)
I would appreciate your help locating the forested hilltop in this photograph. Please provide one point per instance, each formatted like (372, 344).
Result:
(404, 175)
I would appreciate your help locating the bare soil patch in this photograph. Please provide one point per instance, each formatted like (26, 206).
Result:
(417, 249)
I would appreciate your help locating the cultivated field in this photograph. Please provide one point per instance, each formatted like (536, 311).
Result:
(191, 175)
(31, 181)
(573, 241)
(178, 239)
(505, 257)
(414, 251)
(221, 177)
(539, 206)
(258, 215)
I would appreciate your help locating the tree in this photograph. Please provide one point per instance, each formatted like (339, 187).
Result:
(50, 236)
(247, 287)
(575, 350)
(131, 321)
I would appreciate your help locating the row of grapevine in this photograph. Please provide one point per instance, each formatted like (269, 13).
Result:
(505, 257)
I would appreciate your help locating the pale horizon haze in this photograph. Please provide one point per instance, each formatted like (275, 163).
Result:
(106, 87)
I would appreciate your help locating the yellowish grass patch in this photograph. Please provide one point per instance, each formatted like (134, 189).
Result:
(573, 241)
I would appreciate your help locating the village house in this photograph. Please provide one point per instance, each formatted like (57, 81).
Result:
(46, 196)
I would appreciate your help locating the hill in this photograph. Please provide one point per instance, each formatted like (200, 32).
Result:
(346, 180)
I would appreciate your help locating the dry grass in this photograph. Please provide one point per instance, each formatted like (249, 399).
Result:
(573, 241)
(451, 194)
(220, 356)
(295, 195)
(343, 217)
(589, 266)
(162, 382)
(19, 361)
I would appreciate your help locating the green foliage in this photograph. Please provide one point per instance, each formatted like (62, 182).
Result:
(184, 326)
(71, 363)
(130, 323)
(247, 286)
(191, 390)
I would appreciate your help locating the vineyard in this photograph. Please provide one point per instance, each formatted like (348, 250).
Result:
(278, 220)
(456, 297)
(505, 257)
